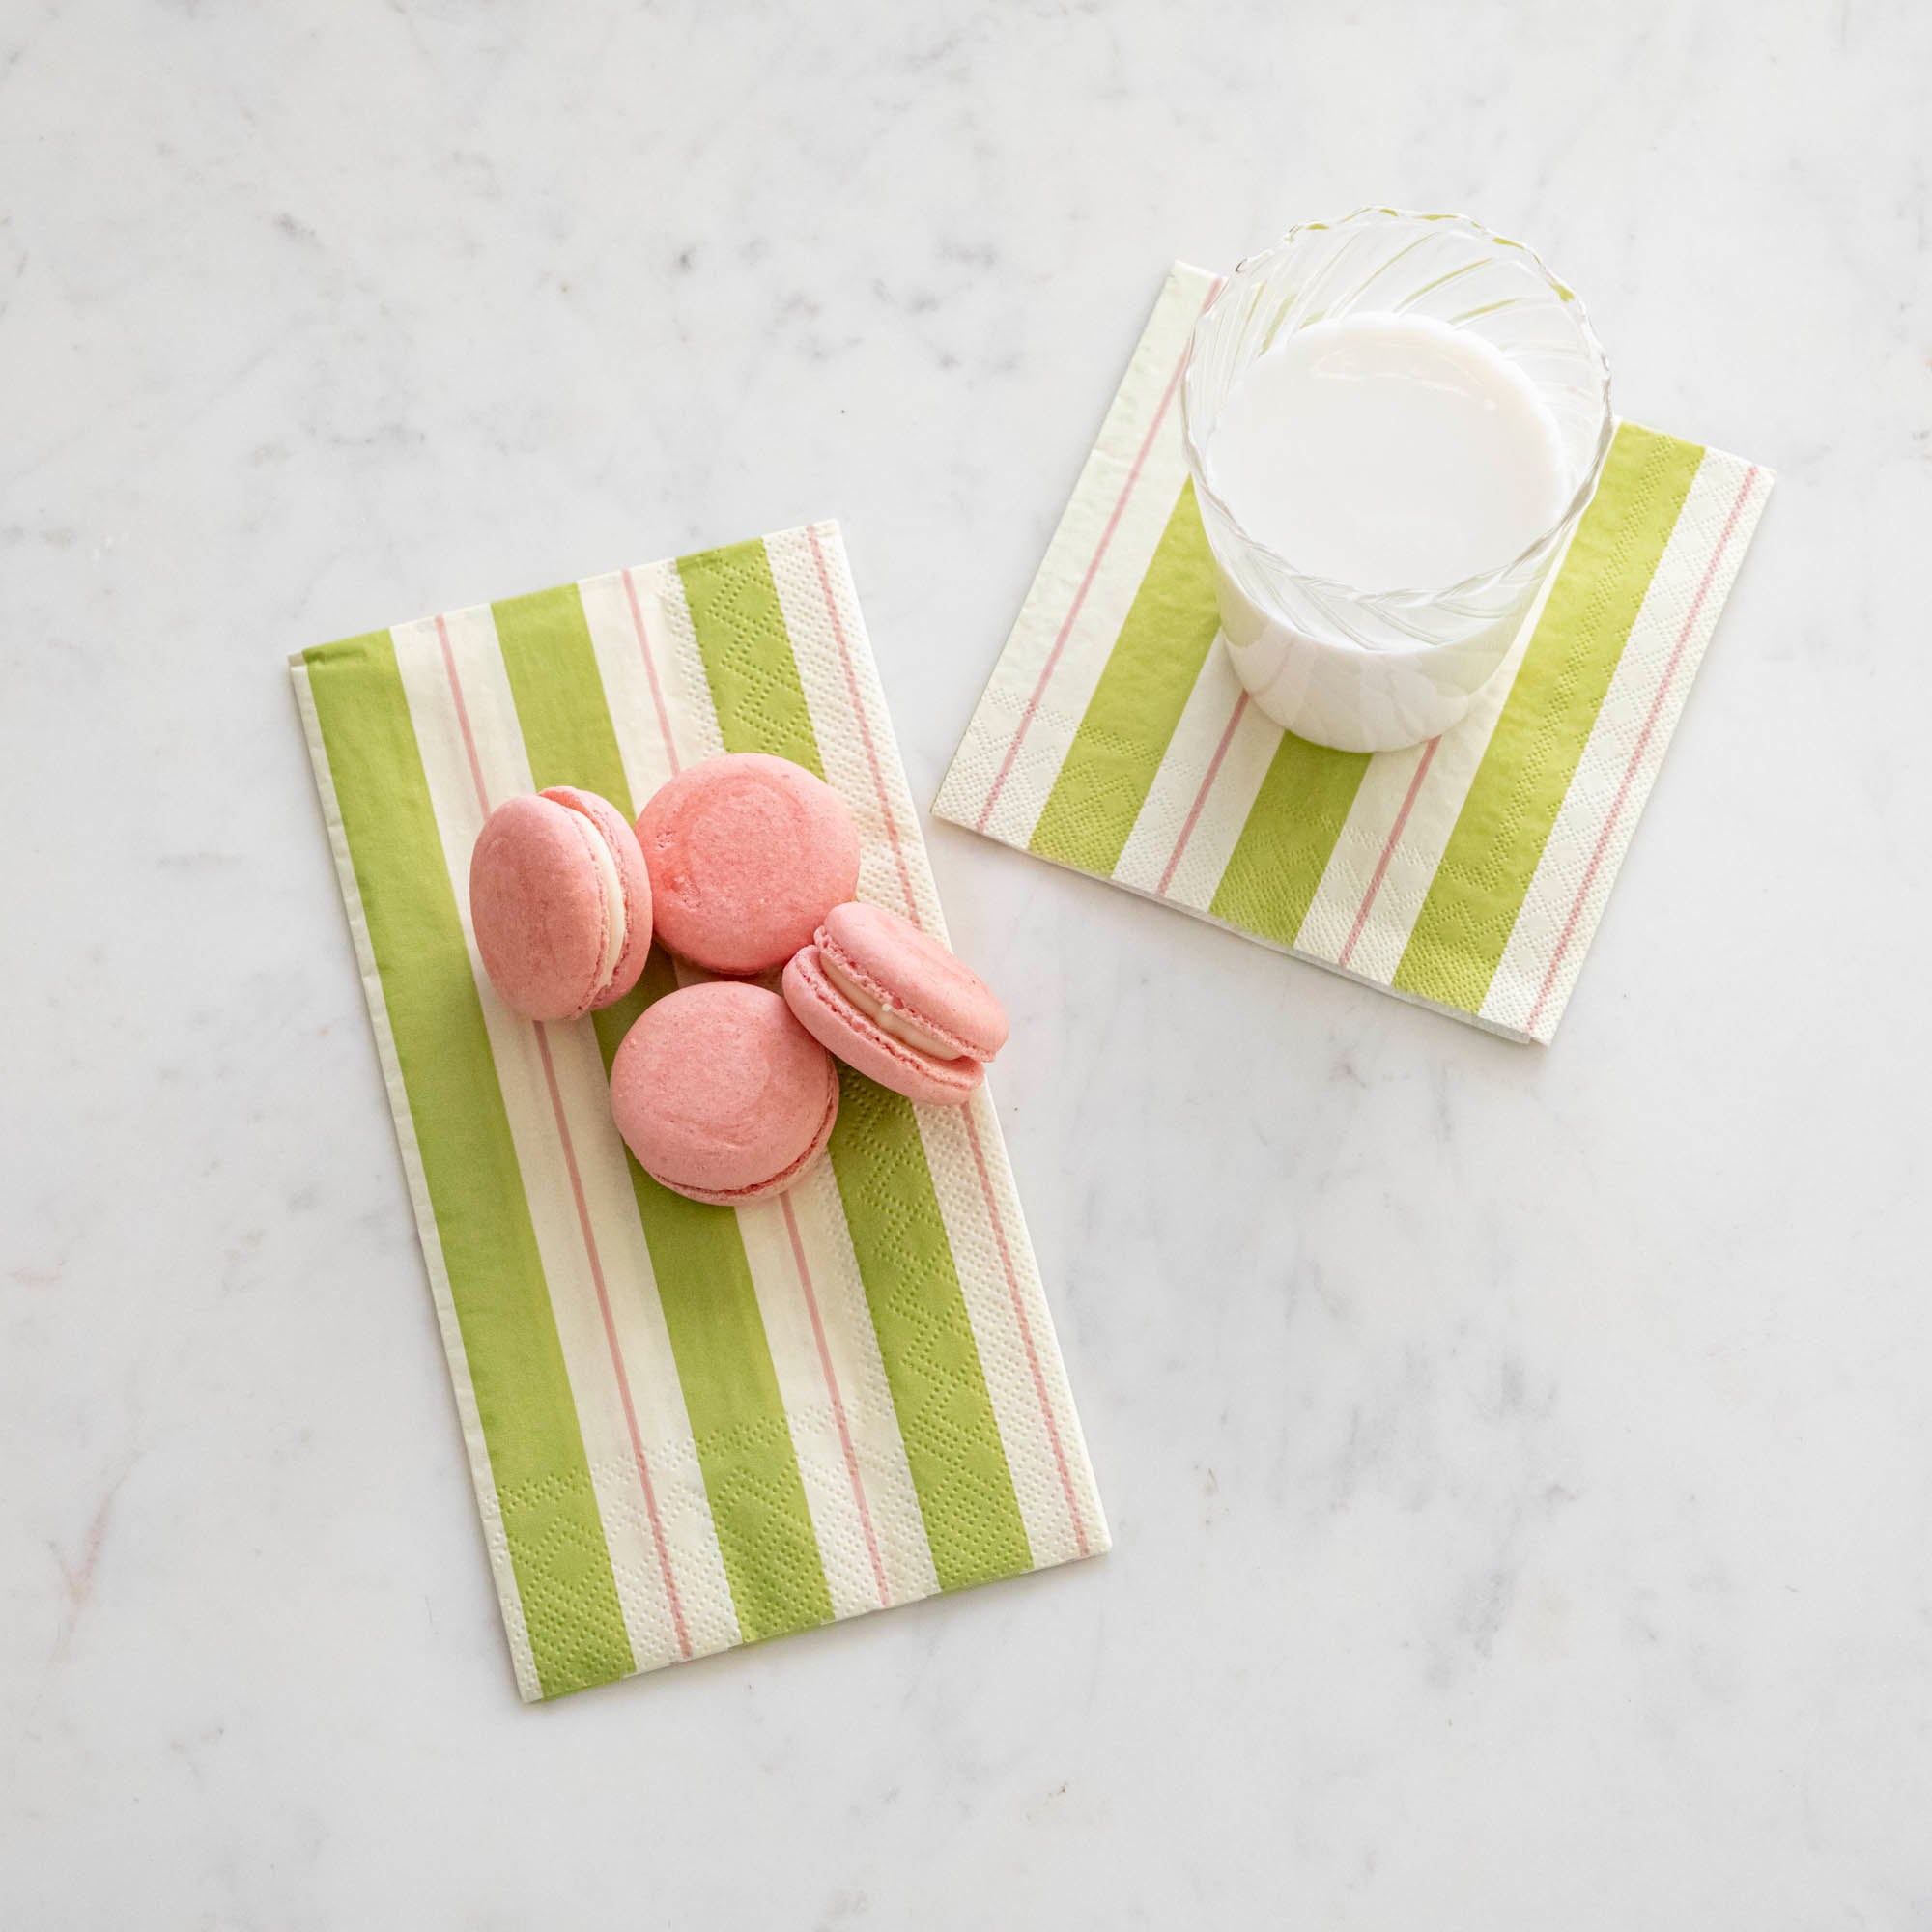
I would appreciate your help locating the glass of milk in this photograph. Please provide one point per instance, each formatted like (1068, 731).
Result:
(1393, 423)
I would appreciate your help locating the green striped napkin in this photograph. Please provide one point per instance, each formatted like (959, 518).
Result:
(1468, 873)
(689, 1426)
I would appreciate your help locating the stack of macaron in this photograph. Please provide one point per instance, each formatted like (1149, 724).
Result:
(744, 866)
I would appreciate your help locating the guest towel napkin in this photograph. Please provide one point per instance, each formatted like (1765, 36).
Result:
(689, 1426)
(1468, 873)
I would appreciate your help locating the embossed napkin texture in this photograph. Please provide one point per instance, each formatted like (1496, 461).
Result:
(1468, 873)
(689, 1426)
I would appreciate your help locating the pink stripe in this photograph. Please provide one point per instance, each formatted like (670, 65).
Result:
(637, 1456)
(1086, 582)
(865, 725)
(838, 1402)
(651, 672)
(462, 717)
(1026, 1331)
(1200, 797)
(1394, 838)
(577, 1191)
(1637, 756)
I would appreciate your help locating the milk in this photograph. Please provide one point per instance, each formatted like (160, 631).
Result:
(1388, 452)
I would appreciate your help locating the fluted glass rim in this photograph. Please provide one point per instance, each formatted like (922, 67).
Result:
(1404, 598)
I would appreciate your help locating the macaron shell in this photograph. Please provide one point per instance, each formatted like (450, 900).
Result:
(747, 854)
(907, 972)
(622, 844)
(720, 1094)
(839, 1026)
(778, 1183)
(537, 904)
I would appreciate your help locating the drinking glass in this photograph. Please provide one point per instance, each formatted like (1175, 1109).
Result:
(1371, 671)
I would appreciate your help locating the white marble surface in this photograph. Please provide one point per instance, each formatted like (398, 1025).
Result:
(1521, 1462)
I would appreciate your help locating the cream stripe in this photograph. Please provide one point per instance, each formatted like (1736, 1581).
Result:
(823, 673)
(1397, 901)
(474, 1444)
(641, 715)
(696, 733)
(1014, 700)
(827, 696)
(677, 1480)
(873, 1422)
(833, 660)
(1332, 913)
(665, 1430)
(1004, 1356)
(847, 1535)
(836, 1520)
(1224, 811)
(1171, 799)
(663, 721)
(674, 648)
(1610, 776)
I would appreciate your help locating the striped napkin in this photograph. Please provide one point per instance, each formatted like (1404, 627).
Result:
(689, 1426)
(1468, 873)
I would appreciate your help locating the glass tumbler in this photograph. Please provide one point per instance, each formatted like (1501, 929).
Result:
(1373, 670)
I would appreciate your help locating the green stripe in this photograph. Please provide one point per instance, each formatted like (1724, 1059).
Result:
(557, 1552)
(933, 1364)
(747, 652)
(1493, 853)
(1291, 831)
(946, 1417)
(1144, 689)
(730, 1389)
(765, 1533)
(560, 706)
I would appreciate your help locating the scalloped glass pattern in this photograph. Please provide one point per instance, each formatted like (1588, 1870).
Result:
(1384, 261)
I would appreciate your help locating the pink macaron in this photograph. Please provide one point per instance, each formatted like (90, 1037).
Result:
(895, 1005)
(747, 854)
(721, 1095)
(560, 900)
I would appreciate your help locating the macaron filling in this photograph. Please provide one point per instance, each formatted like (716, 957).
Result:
(887, 1020)
(611, 885)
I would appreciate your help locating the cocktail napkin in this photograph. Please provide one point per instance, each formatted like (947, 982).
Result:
(689, 1426)
(1468, 873)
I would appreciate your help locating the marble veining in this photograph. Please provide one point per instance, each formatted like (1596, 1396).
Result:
(1520, 1461)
